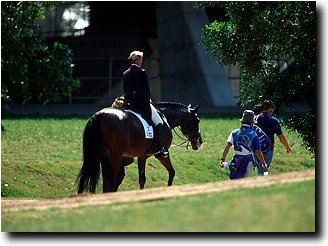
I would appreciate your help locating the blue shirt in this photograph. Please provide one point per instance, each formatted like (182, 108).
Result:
(265, 141)
(269, 124)
(244, 140)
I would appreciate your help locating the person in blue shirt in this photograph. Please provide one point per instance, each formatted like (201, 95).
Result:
(265, 142)
(245, 142)
(265, 146)
(270, 125)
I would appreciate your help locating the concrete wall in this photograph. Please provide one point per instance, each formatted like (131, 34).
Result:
(187, 73)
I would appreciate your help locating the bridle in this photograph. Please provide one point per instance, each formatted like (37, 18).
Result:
(186, 140)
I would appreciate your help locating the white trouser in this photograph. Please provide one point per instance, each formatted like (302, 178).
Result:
(155, 116)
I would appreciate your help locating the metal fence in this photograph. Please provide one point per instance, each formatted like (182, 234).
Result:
(101, 78)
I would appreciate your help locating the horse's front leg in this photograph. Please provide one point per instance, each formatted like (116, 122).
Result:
(166, 162)
(142, 171)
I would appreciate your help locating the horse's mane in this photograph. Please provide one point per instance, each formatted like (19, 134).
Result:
(171, 104)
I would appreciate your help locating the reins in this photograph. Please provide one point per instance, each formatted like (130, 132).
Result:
(186, 140)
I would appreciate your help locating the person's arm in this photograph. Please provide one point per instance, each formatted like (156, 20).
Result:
(283, 140)
(260, 156)
(224, 153)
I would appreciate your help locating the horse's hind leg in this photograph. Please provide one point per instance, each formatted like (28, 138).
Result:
(111, 172)
(105, 164)
(142, 171)
(81, 185)
(166, 162)
(120, 176)
(115, 165)
(127, 160)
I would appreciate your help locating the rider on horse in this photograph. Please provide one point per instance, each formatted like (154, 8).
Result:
(137, 97)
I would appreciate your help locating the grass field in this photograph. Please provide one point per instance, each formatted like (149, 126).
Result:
(40, 158)
(280, 208)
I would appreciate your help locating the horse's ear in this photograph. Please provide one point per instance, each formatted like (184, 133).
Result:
(189, 106)
(196, 108)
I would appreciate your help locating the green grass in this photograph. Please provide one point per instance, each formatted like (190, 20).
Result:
(280, 208)
(40, 158)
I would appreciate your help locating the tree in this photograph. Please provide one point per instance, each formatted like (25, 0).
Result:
(31, 70)
(274, 44)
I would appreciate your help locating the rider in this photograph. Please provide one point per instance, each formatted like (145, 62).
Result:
(137, 97)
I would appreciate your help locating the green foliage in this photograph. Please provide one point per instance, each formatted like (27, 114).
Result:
(31, 70)
(274, 44)
(301, 123)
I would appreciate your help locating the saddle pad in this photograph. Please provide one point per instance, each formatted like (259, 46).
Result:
(149, 132)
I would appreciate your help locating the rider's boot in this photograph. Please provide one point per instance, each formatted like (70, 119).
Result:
(159, 148)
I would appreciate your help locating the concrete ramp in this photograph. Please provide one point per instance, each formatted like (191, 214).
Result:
(187, 73)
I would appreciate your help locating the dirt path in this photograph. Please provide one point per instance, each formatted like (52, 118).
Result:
(157, 193)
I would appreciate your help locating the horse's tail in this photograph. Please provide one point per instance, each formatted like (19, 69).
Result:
(92, 148)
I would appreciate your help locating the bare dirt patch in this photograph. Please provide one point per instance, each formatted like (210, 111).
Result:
(157, 193)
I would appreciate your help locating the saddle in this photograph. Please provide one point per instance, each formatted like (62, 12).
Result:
(147, 123)
(151, 131)
(119, 104)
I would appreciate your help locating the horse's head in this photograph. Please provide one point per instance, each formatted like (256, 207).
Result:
(190, 127)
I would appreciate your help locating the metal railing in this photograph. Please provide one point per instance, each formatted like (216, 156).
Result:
(112, 70)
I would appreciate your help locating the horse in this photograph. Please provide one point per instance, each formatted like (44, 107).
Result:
(114, 136)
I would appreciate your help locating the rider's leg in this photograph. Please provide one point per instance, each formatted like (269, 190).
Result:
(158, 122)
(155, 116)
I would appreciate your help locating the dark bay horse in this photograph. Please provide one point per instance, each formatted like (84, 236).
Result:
(111, 136)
